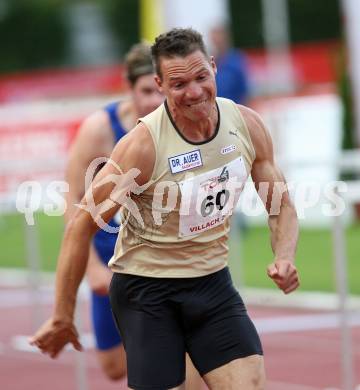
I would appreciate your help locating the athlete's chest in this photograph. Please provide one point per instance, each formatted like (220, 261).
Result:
(208, 180)
(180, 158)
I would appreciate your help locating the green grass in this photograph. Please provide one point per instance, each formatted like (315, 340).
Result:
(13, 240)
(314, 259)
(314, 256)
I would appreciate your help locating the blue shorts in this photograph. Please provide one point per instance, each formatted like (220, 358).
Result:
(106, 334)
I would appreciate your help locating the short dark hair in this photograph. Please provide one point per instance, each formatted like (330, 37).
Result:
(138, 62)
(178, 42)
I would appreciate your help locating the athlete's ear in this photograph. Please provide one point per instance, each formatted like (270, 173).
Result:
(213, 64)
(158, 82)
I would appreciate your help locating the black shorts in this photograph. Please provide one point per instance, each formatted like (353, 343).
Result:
(160, 319)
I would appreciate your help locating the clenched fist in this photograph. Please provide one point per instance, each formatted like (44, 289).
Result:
(284, 274)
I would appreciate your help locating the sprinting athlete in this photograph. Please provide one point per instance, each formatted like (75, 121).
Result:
(171, 291)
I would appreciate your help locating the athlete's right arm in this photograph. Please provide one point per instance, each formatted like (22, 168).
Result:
(135, 150)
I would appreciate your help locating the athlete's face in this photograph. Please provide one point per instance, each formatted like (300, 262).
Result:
(146, 95)
(189, 85)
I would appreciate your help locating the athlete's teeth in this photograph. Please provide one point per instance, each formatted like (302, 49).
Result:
(196, 104)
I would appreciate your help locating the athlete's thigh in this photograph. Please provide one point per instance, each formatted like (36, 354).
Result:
(152, 335)
(218, 328)
(193, 379)
(240, 374)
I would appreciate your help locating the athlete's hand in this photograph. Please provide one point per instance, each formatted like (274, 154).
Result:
(53, 335)
(284, 274)
(99, 278)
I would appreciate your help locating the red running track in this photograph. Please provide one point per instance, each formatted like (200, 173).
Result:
(295, 358)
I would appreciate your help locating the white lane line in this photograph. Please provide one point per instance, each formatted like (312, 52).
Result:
(21, 343)
(298, 299)
(297, 323)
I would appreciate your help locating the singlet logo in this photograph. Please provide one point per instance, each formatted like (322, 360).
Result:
(228, 149)
(234, 133)
(185, 161)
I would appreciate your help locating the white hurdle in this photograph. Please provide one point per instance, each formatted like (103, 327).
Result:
(34, 276)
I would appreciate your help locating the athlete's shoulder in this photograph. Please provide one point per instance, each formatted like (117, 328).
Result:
(126, 108)
(94, 138)
(249, 114)
(136, 150)
(223, 100)
(259, 134)
(138, 139)
(226, 105)
(96, 126)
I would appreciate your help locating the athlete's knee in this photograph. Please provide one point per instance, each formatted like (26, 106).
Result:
(114, 371)
(113, 363)
(258, 377)
(258, 383)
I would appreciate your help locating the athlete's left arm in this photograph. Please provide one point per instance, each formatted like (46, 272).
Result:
(271, 187)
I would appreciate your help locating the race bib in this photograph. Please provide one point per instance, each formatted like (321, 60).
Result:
(208, 199)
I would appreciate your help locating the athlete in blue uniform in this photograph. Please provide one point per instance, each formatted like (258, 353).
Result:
(105, 331)
(96, 138)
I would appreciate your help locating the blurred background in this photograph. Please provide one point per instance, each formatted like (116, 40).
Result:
(300, 61)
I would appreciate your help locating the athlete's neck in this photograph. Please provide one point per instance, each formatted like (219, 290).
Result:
(196, 131)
